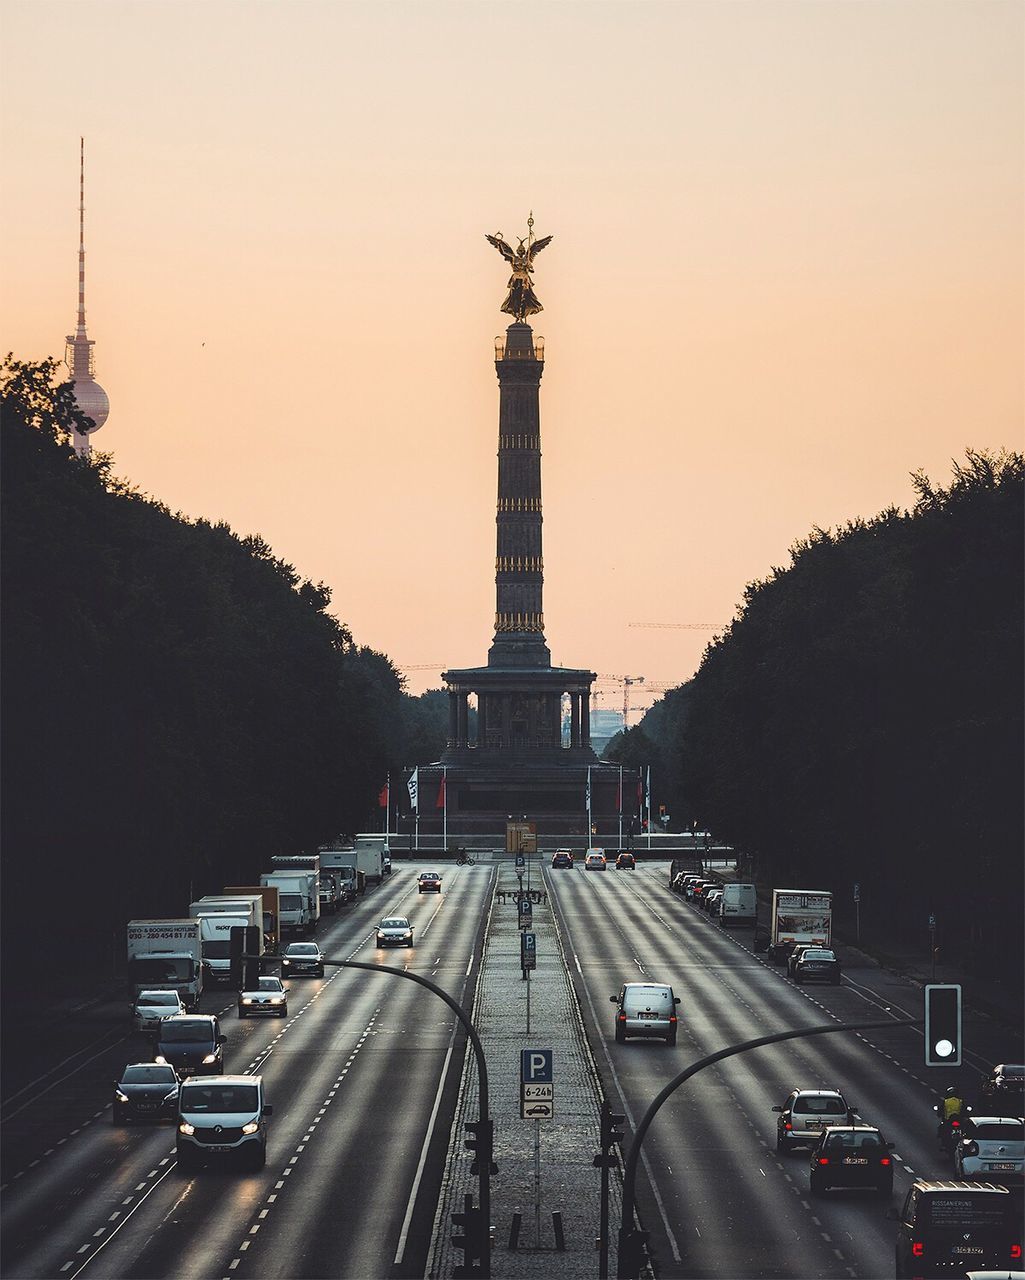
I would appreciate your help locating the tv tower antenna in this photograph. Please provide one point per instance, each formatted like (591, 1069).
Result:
(89, 395)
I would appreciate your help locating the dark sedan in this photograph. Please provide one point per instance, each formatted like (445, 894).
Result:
(146, 1091)
(816, 964)
(852, 1156)
(562, 858)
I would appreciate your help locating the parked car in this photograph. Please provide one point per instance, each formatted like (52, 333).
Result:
(852, 1156)
(222, 1118)
(697, 887)
(562, 858)
(595, 861)
(625, 862)
(684, 880)
(145, 1091)
(992, 1149)
(945, 1228)
(647, 1010)
(152, 1006)
(805, 1114)
(269, 996)
(395, 931)
(192, 1044)
(710, 902)
(302, 958)
(1004, 1088)
(429, 882)
(814, 964)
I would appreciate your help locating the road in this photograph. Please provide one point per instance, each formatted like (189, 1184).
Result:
(717, 1198)
(362, 1077)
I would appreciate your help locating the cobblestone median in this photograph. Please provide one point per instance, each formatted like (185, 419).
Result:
(569, 1183)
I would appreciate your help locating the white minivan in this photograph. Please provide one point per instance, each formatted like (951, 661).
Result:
(738, 905)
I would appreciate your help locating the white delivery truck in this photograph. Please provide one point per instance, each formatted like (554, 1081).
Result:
(271, 910)
(309, 864)
(800, 917)
(738, 905)
(217, 917)
(342, 862)
(166, 955)
(295, 917)
(370, 851)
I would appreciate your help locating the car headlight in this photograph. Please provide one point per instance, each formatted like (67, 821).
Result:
(252, 1127)
(286, 963)
(247, 999)
(120, 1096)
(161, 1059)
(210, 1057)
(186, 1128)
(277, 999)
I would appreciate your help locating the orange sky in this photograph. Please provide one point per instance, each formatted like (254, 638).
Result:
(787, 271)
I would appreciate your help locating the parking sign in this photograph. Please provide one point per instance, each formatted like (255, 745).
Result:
(536, 1066)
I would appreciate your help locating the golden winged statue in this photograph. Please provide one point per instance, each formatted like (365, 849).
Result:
(521, 300)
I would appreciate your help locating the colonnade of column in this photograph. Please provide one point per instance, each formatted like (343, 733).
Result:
(539, 721)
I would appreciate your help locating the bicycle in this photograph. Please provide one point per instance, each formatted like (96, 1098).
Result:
(463, 859)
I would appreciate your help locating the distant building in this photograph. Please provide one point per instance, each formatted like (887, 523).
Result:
(79, 357)
(604, 727)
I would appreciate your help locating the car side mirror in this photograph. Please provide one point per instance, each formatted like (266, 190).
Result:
(614, 999)
(676, 1000)
(222, 1039)
(268, 1109)
(777, 1108)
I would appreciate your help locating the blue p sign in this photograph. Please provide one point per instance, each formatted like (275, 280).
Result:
(536, 1066)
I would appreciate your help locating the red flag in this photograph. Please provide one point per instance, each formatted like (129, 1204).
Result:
(382, 799)
(640, 793)
(440, 803)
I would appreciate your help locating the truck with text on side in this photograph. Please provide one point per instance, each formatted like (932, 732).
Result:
(342, 862)
(271, 911)
(370, 851)
(800, 918)
(217, 916)
(166, 955)
(295, 918)
(309, 865)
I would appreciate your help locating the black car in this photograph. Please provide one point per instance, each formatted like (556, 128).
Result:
(302, 957)
(626, 862)
(815, 964)
(192, 1044)
(562, 859)
(1004, 1089)
(852, 1156)
(146, 1091)
(429, 882)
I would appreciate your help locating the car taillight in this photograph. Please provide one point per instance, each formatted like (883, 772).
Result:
(787, 1125)
(672, 1017)
(955, 1124)
(885, 1160)
(918, 1249)
(1015, 1250)
(622, 1017)
(823, 1159)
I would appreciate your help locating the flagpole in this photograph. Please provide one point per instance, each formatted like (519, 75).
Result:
(387, 810)
(444, 819)
(621, 806)
(588, 845)
(647, 801)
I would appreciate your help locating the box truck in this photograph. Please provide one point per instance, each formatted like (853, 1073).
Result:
(217, 916)
(800, 917)
(271, 910)
(166, 955)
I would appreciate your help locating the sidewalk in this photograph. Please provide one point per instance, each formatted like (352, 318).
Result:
(568, 1183)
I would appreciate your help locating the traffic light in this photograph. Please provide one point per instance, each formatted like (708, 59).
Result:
(942, 1025)
(611, 1134)
(244, 940)
(471, 1241)
(482, 1144)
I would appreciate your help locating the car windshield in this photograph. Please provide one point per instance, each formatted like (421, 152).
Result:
(148, 1075)
(157, 999)
(1015, 1071)
(302, 949)
(397, 923)
(813, 953)
(269, 984)
(1013, 1131)
(814, 1105)
(290, 901)
(217, 1098)
(430, 875)
(185, 1032)
(853, 1141)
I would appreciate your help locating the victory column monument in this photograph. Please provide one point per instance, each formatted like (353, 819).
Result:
(518, 763)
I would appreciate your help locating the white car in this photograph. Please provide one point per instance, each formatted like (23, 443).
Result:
(806, 1113)
(395, 931)
(269, 996)
(151, 1007)
(992, 1149)
(595, 860)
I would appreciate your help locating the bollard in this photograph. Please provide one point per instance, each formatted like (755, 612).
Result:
(514, 1232)
(560, 1239)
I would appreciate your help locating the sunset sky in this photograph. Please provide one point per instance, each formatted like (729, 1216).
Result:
(787, 271)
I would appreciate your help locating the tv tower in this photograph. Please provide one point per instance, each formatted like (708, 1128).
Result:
(78, 355)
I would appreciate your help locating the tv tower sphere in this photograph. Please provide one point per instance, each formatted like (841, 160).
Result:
(89, 395)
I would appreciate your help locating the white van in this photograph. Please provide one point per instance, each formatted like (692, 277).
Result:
(738, 905)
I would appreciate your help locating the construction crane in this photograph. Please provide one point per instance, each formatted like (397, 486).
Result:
(421, 666)
(626, 682)
(681, 626)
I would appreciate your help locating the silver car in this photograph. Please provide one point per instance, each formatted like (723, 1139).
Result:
(992, 1149)
(646, 1010)
(395, 931)
(222, 1118)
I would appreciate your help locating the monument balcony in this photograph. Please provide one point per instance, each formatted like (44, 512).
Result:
(536, 351)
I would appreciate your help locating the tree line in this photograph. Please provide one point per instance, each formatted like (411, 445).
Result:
(861, 720)
(177, 703)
